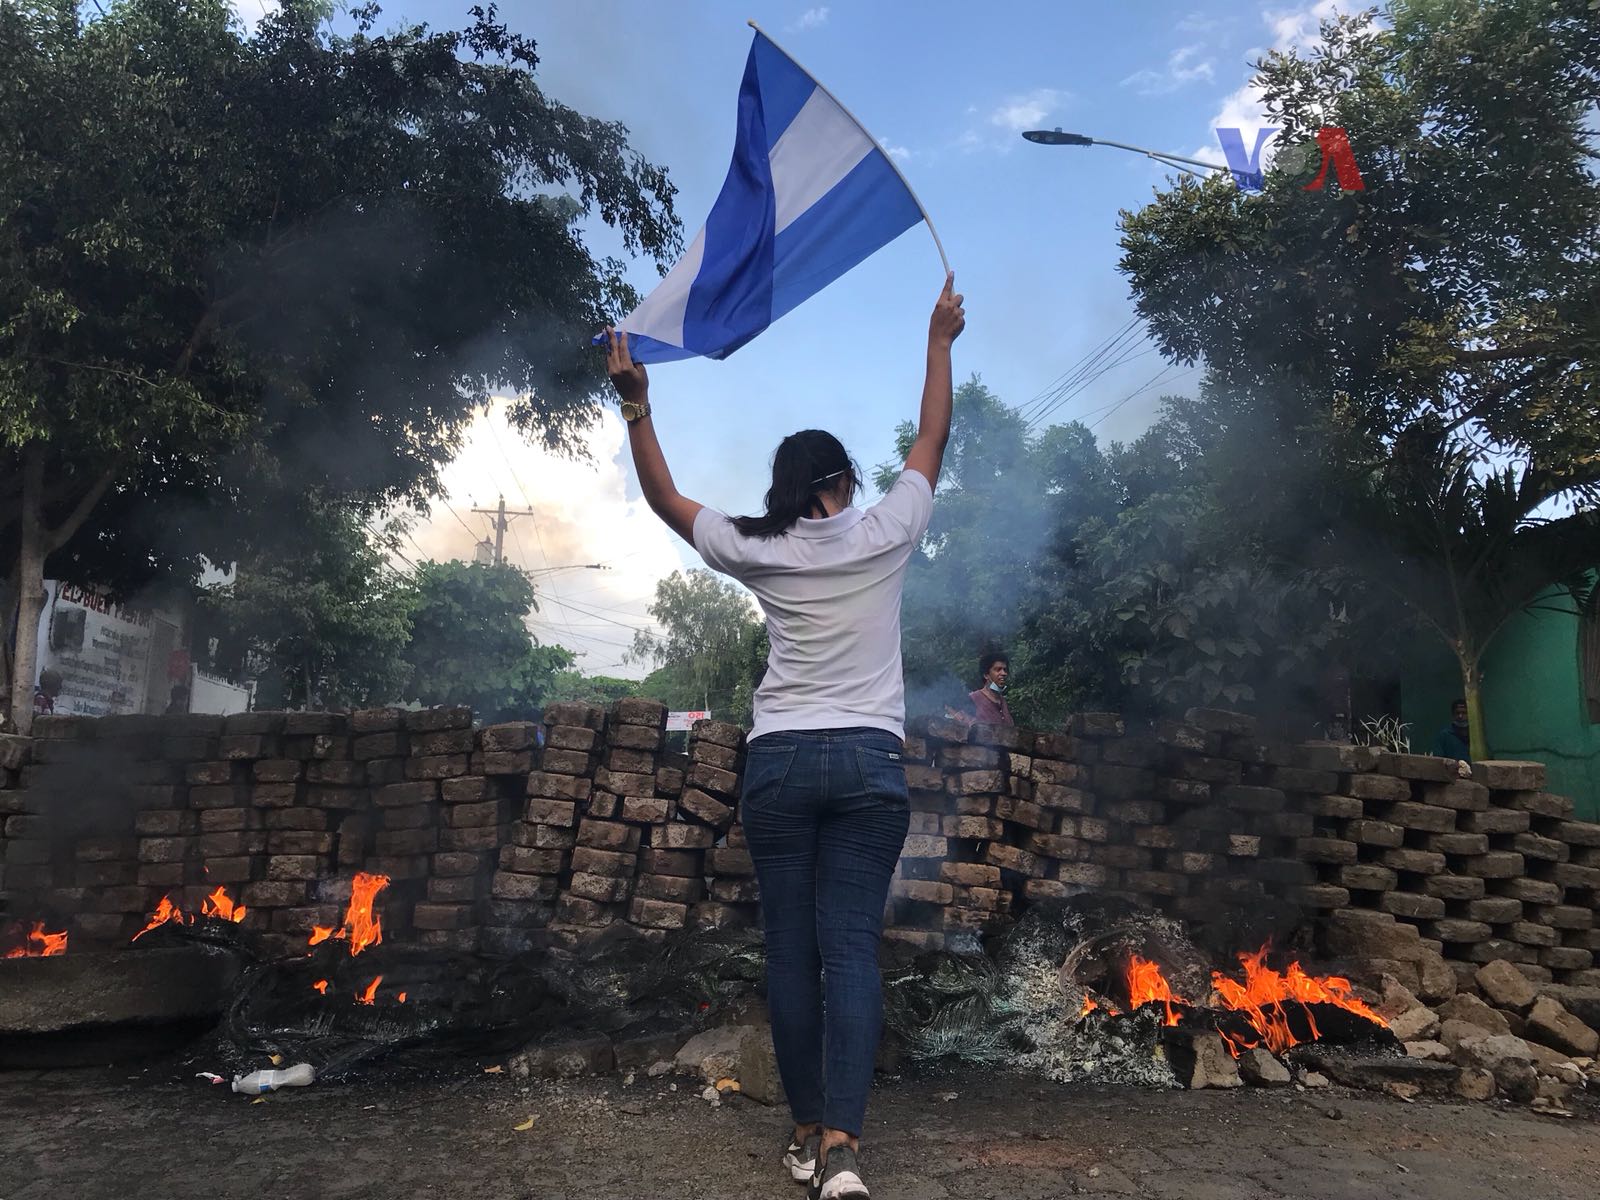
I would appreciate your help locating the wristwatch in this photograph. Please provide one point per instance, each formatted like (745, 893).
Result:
(635, 411)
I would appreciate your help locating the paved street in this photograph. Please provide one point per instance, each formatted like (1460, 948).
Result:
(150, 1136)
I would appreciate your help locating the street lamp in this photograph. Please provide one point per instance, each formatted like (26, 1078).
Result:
(1056, 137)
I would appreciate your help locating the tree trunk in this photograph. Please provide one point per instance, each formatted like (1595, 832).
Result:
(1472, 692)
(8, 622)
(30, 589)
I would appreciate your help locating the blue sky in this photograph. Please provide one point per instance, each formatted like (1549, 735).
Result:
(1031, 233)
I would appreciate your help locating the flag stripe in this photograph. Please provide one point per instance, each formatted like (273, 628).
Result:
(819, 149)
(730, 300)
(660, 316)
(808, 195)
(865, 212)
(785, 88)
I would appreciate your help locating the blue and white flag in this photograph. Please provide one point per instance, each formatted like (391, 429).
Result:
(809, 195)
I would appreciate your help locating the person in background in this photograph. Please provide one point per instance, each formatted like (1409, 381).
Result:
(178, 700)
(989, 701)
(44, 696)
(1454, 741)
(825, 804)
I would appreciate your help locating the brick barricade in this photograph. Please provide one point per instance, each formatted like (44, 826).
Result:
(493, 843)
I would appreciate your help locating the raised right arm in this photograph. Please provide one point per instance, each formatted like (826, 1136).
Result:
(933, 424)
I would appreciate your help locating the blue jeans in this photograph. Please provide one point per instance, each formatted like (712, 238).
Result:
(826, 814)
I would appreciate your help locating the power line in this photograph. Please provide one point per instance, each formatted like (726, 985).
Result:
(471, 532)
(1080, 371)
(494, 434)
(1123, 359)
(600, 616)
(1066, 376)
(1121, 351)
(1153, 381)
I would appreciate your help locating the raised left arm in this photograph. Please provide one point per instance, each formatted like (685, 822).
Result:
(655, 479)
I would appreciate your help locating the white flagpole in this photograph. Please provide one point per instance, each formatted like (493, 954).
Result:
(927, 220)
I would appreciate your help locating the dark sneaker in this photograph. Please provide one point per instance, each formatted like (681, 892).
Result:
(839, 1178)
(800, 1159)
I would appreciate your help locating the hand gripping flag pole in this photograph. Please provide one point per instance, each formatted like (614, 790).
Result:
(809, 195)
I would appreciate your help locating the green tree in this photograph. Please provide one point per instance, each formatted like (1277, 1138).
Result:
(703, 651)
(470, 642)
(315, 613)
(289, 259)
(1443, 317)
(1002, 566)
(1466, 550)
(599, 690)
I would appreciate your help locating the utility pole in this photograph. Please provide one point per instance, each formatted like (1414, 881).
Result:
(502, 521)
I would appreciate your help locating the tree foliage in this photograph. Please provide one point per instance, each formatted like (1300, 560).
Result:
(1115, 578)
(1421, 353)
(285, 260)
(709, 642)
(599, 690)
(470, 642)
(314, 614)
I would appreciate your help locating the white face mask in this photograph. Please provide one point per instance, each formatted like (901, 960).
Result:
(995, 687)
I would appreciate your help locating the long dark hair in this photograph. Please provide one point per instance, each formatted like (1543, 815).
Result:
(806, 464)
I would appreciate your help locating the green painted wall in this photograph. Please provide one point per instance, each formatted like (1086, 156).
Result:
(1533, 700)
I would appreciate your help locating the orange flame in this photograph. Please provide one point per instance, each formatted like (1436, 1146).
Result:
(165, 911)
(361, 927)
(36, 943)
(370, 995)
(221, 906)
(401, 997)
(1146, 985)
(1260, 998)
(320, 987)
(218, 905)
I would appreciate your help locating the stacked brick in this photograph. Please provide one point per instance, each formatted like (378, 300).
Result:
(700, 861)
(537, 858)
(622, 807)
(271, 833)
(493, 844)
(1186, 816)
(85, 883)
(475, 816)
(1482, 867)
(128, 810)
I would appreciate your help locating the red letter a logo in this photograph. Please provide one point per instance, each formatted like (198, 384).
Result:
(1335, 147)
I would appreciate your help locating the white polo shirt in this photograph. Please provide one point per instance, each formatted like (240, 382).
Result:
(831, 591)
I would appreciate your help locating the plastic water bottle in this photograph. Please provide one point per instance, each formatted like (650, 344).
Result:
(258, 1082)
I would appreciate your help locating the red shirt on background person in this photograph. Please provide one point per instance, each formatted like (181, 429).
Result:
(989, 701)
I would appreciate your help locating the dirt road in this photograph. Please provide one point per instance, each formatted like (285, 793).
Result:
(149, 1135)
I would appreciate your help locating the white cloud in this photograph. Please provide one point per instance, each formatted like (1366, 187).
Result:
(1027, 111)
(1178, 72)
(583, 515)
(898, 153)
(812, 18)
(1245, 109)
(1300, 29)
(251, 11)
